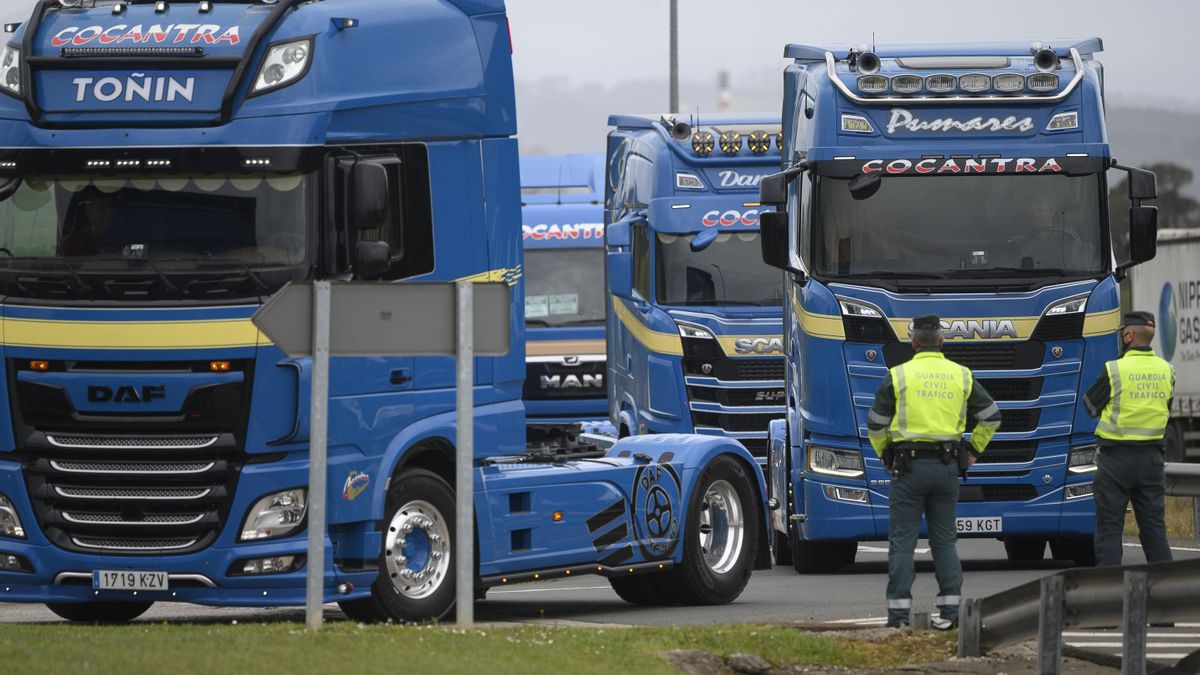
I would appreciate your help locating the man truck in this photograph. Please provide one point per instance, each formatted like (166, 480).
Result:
(694, 330)
(563, 234)
(1171, 289)
(165, 167)
(962, 180)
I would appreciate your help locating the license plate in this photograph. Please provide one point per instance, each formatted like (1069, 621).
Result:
(979, 525)
(125, 580)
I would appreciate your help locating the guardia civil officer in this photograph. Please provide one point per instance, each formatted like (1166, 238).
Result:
(1131, 401)
(916, 425)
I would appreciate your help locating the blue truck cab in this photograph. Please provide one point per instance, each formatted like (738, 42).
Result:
(967, 181)
(165, 168)
(694, 329)
(563, 233)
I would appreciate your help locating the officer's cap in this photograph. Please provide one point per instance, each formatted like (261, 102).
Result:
(927, 322)
(1138, 319)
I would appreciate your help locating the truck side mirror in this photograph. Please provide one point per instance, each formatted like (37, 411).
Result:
(620, 273)
(773, 189)
(617, 234)
(371, 190)
(1143, 232)
(773, 237)
(1143, 184)
(371, 259)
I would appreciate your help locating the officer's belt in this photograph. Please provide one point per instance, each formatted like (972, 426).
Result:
(917, 450)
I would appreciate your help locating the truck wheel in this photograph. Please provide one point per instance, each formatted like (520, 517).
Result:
(1173, 450)
(647, 590)
(1024, 549)
(1079, 550)
(719, 538)
(780, 549)
(99, 612)
(416, 573)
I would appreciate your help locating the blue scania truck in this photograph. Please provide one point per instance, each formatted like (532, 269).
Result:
(563, 231)
(165, 167)
(694, 331)
(963, 180)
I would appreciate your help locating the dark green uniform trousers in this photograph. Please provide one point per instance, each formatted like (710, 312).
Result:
(930, 487)
(1130, 474)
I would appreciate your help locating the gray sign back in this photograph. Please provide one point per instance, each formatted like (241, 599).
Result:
(386, 319)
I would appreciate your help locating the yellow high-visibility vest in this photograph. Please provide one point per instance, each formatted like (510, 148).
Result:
(931, 399)
(1142, 386)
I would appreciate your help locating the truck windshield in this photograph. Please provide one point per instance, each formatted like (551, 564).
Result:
(154, 235)
(960, 226)
(564, 287)
(729, 272)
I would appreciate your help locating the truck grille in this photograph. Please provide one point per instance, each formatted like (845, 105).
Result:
(1012, 388)
(737, 397)
(1009, 452)
(1020, 419)
(131, 484)
(735, 421)
(1019, 492)
(980, 356)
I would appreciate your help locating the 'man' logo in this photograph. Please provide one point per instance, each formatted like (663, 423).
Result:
(986, 329)
(136, 87)
(758, 345)
(126, 394)
(572, 381)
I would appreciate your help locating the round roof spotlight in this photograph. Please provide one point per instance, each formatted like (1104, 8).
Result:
(703, 143)
(731, 142)
(1045, 60)
(868, 63)
(779, 141)
(759, 142)
(70, 3)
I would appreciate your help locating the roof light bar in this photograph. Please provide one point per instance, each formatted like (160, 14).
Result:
(873, 84)
(731, 142)
(759, 142)
(941, 84)
(703, 143)
(1010, 86)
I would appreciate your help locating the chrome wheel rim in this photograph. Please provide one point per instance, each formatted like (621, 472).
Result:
(722, 527)
(417, 550)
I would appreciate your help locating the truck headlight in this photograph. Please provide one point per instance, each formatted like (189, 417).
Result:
(1079, 491)
(285, 63)
(10, 70)
(1069, 306)
(10, 522)
(276, 515)
(833, 462)
(688, 330)
(1082, 459)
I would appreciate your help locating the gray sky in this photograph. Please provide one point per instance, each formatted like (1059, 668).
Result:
(609, 41)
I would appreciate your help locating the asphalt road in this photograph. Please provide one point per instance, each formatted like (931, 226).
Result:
(855, 594)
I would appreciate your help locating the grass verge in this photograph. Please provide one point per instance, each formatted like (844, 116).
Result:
(349, 647)
(1180, 524)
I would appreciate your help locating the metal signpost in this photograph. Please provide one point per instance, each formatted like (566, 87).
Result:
(323, 319)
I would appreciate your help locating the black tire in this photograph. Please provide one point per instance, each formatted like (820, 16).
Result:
(1079, 550)
(781, 549)
(1024, 549)
(693, 582)
(386, 602)
(646, 590)
(1173, 443)
(821, 557)
(99, 612)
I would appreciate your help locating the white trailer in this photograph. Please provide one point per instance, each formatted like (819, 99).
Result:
(1169, 286)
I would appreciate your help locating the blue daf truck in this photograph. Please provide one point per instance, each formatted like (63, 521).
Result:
(563, 232)
(165, 167)
(967, 181)
(694, 331)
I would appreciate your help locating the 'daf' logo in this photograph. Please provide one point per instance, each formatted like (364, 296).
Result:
(1168, 322)
(656, 505)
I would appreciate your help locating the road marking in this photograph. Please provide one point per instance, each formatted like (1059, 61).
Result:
(869, 621)
(1109, 634)
(1173, 548)
(548, 590)
(863, 548)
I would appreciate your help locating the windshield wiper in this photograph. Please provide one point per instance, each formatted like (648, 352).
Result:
(68, 271)
(889, 274)
(1055, 271)
(250, 274)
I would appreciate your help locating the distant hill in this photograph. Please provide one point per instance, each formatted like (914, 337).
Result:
(556, 116)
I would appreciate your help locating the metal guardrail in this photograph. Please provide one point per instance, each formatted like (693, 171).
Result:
(1086, 598)
(1130, 596)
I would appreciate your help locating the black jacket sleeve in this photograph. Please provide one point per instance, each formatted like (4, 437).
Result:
(1097, 397)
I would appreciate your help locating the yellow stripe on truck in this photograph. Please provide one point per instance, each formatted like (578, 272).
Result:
(660, 343)
(1101, 323)
(213, 334)
(564, 348)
